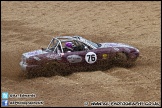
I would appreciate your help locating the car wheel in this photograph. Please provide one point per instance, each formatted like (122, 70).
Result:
(120, 59)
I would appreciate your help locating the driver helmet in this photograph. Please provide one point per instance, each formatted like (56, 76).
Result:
(69, 45)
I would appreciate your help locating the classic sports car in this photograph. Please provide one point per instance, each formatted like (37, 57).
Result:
(65, 53)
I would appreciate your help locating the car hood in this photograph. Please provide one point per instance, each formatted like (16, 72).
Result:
(105, 45)
(33, 53)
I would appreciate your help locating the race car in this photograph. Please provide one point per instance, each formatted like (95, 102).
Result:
(67, 53)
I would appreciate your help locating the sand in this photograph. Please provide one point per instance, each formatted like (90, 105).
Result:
(26, 26)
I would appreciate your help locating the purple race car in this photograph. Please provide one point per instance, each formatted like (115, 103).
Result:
(66, 53)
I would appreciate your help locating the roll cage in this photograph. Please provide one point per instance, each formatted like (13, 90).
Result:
(56, 44)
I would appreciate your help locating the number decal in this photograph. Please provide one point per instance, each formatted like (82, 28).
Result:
(91, 57)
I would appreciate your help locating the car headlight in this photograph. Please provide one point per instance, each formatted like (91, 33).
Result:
(23, 59)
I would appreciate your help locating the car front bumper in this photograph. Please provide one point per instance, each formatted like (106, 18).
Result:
(23, 66)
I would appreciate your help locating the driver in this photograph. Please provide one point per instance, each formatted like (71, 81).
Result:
(69, 46)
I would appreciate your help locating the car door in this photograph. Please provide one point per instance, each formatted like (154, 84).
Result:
(74, 58)
(83, 59)
(87, 59)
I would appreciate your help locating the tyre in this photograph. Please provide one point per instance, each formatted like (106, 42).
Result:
(121, 59)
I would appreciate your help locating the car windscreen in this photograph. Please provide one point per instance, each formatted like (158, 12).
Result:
(90, 42)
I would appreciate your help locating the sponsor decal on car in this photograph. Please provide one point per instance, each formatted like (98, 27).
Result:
(37, 58)
(105, 56)
(116, 49)
(33, 53)
(61, 54)
(74, 58)
(52, 56)
(90, 57)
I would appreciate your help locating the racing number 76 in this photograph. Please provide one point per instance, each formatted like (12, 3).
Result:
(91, 57)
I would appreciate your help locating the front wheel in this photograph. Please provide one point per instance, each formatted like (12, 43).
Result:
(121, 59)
